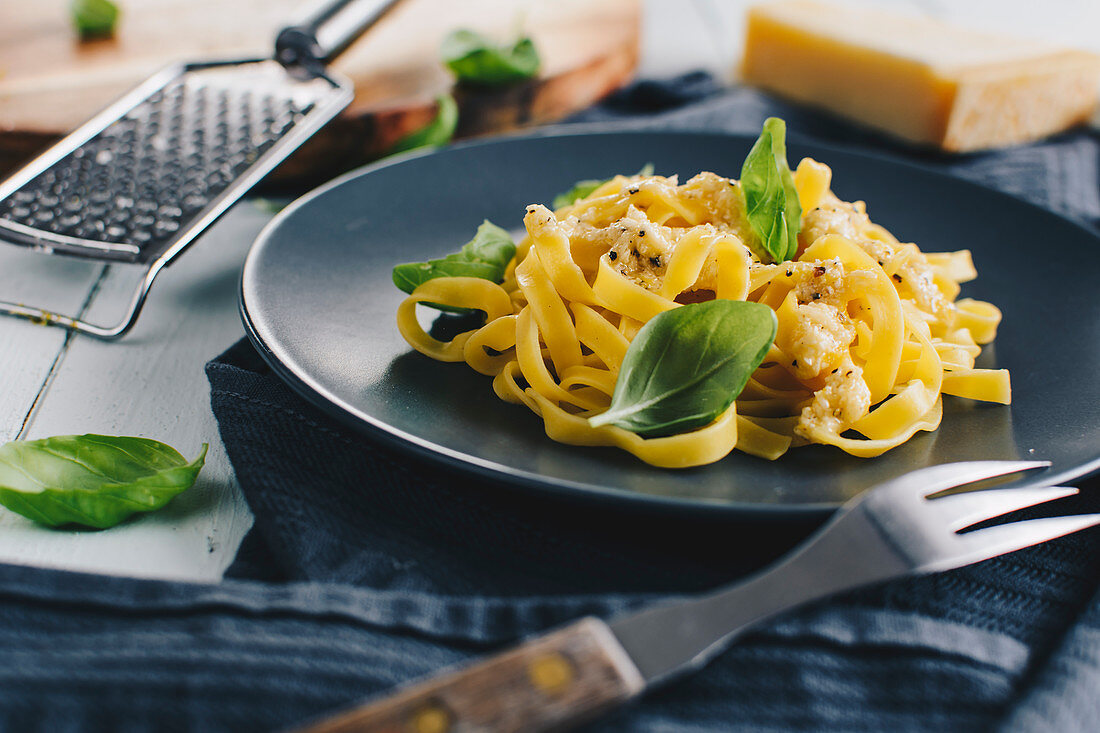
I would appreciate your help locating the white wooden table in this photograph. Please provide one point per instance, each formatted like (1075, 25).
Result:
(151, 383)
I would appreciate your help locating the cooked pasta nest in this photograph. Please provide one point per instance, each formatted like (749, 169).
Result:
(871, 332)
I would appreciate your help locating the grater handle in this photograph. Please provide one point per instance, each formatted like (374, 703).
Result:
(326, 31)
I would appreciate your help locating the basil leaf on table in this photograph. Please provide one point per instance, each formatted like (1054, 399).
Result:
(474, 59)
(436, 133)
(91, 480)
(94, 18)
(771, 200)
(687, 365)
(486, 256)
(583, 189)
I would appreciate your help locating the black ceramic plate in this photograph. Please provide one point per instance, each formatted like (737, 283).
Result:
(318, 302)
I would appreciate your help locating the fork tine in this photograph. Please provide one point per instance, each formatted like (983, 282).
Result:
(962, 510)
(983, 544)
(933, 479)
(953, 475)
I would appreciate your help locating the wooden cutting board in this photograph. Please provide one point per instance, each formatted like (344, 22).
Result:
(50, 82)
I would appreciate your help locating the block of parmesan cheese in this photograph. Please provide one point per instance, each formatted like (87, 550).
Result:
(917, 78)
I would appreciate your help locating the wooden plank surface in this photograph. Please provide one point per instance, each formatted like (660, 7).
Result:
(149, 384)
(51, 82)
(29, 352)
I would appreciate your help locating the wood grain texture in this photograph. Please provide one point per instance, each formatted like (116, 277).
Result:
(150, 384)
(548, 683)
(51, 82)
(28, 352)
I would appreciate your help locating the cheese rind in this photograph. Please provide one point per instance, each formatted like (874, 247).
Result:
(918, 79)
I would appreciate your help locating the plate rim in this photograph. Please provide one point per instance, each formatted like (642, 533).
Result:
(563, 489)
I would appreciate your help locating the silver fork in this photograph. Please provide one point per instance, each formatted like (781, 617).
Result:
(902, 527)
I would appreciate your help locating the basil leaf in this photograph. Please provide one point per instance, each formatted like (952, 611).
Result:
(270, 206)
(436, 133)
(687, 365)
(486, 256)
(583, 189)
(771, 201)
(94, 18)
(474, 59)
(92, 480)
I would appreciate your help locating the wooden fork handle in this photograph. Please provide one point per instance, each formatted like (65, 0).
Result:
(551, 682)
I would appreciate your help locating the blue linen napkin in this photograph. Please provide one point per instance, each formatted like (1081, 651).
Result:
(366, 569)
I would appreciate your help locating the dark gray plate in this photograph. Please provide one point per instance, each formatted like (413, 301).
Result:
(318, 302)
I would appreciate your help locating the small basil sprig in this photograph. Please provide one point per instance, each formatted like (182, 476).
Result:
(94, 18)
(270, 206)
(436, 133)
(687, 365)
(474, 59)
(583, 189)
(486, 256)
(91, 480)
(771, 201)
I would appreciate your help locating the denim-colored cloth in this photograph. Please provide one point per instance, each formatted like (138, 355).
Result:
(367, 568)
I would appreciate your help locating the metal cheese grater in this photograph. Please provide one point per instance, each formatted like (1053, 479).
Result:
(140, 181)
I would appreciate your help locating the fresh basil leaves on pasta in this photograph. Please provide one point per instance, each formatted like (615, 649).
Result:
(474, 59)
(771, 201)
(486, 256)
(687, 365)
(436, 133)
(583, 189)
(580, 190)
(91, 480)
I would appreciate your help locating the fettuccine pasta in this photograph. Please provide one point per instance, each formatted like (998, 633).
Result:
(870, 331)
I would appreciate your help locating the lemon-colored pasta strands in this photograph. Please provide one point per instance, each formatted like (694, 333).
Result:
(870, 332)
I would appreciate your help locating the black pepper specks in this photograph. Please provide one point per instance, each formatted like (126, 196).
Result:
(897, 277)
(819, 271)
(655, 261)
(816, 296)
(612, 255)
(633, 190)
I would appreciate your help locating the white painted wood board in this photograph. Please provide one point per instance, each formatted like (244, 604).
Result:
(29, 351)
(151, 384)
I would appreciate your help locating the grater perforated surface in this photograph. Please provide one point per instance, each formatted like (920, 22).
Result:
(129, 191)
